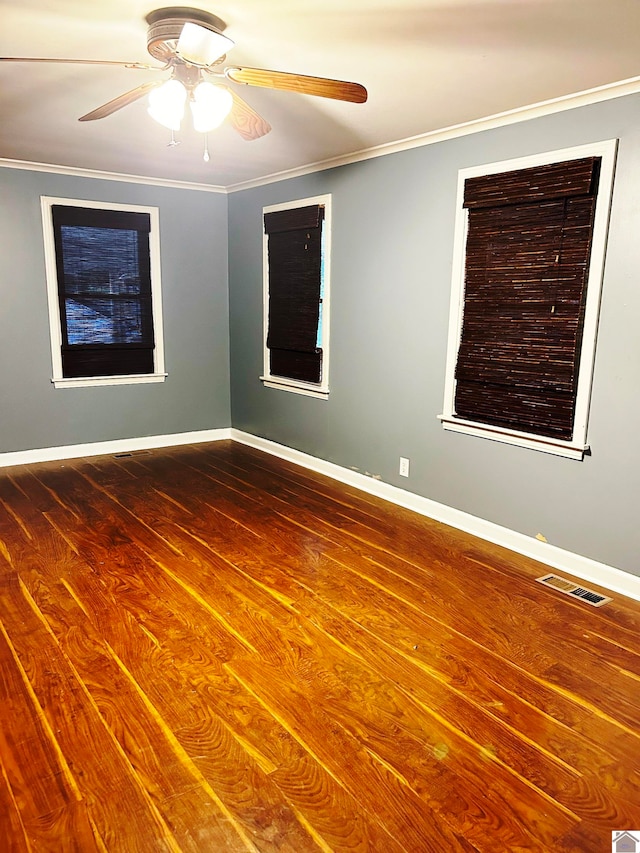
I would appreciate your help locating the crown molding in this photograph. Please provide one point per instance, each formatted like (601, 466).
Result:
(54, 169)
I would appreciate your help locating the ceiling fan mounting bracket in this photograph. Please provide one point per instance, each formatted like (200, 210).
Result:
(188, 75)
(165, 26)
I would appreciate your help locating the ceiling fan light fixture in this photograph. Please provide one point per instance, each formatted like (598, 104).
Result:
(201, 46)
(166, 104)
(210, 106)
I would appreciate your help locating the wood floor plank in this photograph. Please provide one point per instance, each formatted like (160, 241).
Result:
(172, 782)
(240, 776)
(81, 734)
(366, 567)
(308, 511)
(264, 817)
(379, 791)
(210, 580)
(489, 629)
(573, 794)
(38, 775)
(271, 661)
(12, 829)
(266, 821)
(171, 792)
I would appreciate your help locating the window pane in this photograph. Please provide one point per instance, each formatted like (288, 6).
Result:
(319, 333)
(100, 260)
(104, 321)
(105, 308)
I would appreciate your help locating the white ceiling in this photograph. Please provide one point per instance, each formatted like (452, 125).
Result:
(427, 65)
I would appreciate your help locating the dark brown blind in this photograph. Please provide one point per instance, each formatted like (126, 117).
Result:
(104, 291)
(294, 219)
(557, 180)
(525, 290)
(295, 259)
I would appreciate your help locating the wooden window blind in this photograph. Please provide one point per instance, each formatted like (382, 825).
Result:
(295, 263)
(104, 291)
(527, 260)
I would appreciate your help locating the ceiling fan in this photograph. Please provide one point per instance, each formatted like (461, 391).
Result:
(191, 45)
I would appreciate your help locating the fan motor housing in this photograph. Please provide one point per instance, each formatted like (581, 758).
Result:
(165, 26)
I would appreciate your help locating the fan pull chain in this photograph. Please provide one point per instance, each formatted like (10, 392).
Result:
(205, 156)
(173, 142)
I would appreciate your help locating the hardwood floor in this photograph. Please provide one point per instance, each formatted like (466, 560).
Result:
(208, 649)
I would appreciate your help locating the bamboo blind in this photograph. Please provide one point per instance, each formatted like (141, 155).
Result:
(527, 258)
(294, 252)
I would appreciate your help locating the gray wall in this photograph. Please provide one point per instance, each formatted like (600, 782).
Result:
(393, 223)
(193, 245)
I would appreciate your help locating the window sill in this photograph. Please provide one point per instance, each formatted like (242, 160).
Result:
(304, 388)
(96, 381)
(568, 449)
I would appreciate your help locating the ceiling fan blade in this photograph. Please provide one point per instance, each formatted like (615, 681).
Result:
(246, 120)
(321, 86)
(137, 65)
(119, 102)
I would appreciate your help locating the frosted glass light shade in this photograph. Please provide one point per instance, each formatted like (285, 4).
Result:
(166, 104)
(210, 106)
(200, 46)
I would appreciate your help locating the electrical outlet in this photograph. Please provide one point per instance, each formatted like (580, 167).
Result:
(404, 467)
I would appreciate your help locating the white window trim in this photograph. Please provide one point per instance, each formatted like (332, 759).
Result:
(58, 380)
(308, 389)
(577, 446)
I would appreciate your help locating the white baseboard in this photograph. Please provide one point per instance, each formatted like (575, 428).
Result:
(120, 445)
(581, 567)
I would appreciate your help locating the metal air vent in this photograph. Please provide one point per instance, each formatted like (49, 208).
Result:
(570, 588)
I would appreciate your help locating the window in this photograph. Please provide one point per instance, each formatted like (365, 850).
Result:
(296, 296)
(103, 281)
(528, 264)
